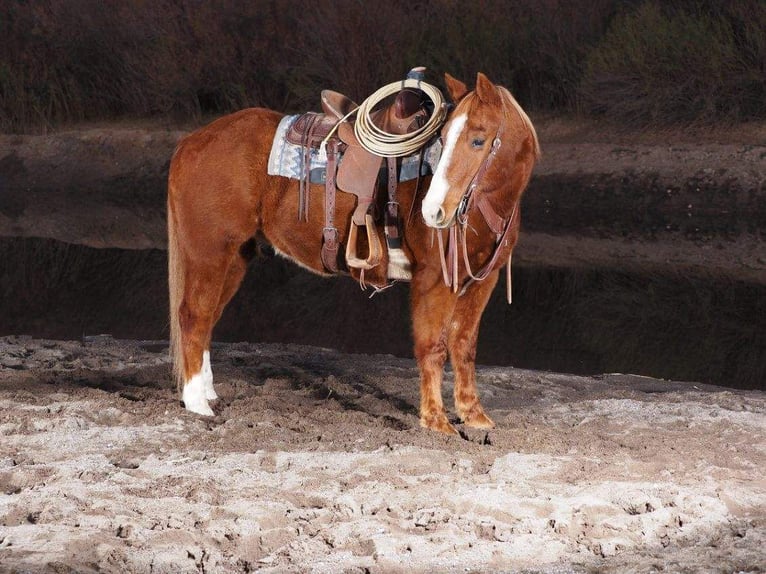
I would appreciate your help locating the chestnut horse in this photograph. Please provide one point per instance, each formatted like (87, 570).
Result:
(221, 200)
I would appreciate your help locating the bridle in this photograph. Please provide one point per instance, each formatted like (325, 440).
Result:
(458, 230)
(465, 202)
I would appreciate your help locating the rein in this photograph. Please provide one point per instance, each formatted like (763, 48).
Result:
(458, 231)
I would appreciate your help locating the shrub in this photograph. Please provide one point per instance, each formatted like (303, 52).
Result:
(70, 60)
(534, 47)
(641, 62)
(658, 65)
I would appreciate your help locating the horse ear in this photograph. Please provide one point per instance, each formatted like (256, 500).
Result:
(457, 89)
(486, 90)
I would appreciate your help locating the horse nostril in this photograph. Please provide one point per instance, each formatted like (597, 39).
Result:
(440, 215)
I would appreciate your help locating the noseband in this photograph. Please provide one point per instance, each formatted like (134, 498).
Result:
(457, 238)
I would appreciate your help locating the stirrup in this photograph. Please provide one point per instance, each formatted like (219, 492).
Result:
(376, 249)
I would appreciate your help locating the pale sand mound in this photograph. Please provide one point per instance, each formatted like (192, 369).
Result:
(315, 462)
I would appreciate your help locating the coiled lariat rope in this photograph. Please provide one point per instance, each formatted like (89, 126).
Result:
(382, 143)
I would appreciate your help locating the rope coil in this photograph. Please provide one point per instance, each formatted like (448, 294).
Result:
(382, 143)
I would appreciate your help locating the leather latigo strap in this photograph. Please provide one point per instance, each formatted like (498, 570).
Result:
(330, 233)
(309, 131)
(305, 181)
(393, 233)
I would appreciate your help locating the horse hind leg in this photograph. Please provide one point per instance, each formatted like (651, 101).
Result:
(234, 276)
(196, 325)
(208, 288)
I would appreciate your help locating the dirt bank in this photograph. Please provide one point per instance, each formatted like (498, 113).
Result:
(315, 462)
(676, 200)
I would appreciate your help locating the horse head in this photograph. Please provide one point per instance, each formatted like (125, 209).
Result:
(489, 147)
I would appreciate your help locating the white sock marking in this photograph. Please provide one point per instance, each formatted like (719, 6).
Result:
(439, 187)
(207, 373)
(194, 396)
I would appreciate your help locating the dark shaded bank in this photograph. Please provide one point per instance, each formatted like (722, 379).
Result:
(633, 257)
(710, 328)
(704, 207)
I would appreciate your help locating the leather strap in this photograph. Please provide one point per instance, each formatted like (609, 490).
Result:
(494, 221)
(467, 202)
(305, 181)
(482, 274)
(446, 274)
(330, 233)
(393, 234)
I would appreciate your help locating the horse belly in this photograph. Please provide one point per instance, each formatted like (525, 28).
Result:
(301, 241)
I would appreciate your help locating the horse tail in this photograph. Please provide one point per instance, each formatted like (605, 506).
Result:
(176, 273)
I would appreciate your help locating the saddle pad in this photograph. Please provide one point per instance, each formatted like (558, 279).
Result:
(286, 159)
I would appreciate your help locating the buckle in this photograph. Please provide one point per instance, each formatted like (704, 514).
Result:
(330, 234)
(462, 209)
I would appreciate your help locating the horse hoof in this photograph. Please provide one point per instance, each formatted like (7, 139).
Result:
(480, 422)
(438, 423)
(194, 397)
(210, 393)
(200, 409)
(477, 418)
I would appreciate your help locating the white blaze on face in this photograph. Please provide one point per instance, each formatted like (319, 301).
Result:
(437, 191)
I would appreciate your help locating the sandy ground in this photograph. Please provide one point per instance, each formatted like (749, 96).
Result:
(315, 462)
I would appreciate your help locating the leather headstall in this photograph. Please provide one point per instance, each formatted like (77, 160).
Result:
(457, 238)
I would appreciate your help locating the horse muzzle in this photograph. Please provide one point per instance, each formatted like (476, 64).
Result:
(437, 218)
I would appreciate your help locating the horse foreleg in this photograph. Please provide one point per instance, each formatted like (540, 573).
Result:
(462, 337)
(431, 309)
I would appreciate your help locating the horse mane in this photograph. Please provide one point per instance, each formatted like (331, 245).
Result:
(509, 99)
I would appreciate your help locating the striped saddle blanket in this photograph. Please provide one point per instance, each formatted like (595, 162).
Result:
(286, 159)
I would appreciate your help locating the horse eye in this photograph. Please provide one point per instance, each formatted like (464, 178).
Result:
(478, 143)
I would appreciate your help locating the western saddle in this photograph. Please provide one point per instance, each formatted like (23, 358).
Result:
(353, 169)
